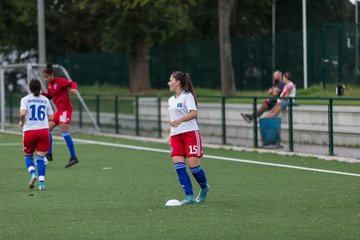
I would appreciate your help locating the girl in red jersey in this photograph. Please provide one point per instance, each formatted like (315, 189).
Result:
(185, 140)
(58, 92)
(35, 114)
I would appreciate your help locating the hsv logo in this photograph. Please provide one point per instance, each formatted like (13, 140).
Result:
(179, 105)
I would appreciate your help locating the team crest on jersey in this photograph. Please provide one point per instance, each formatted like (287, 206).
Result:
(55, 86)
(179, 104)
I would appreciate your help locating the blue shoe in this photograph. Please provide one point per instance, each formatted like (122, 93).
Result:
(41, 186)
(32, 181)
(202, 194)
(189, 199)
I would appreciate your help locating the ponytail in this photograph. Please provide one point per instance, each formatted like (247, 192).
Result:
(49, 69)
(189, 86)
(185, 82)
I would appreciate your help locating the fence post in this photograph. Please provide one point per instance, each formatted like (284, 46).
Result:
(330, 127)
(116, 114)
(255, 127)
(223, 119)
(159, 116)
(137, 116)
(98, 110)
(290, 120)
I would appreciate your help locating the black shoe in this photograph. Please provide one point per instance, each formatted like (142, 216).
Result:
(247, 117)
(49, 157)
(71, 162)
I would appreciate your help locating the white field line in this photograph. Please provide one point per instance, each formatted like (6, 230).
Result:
(20, 144)
(210, 156)
(218, 157)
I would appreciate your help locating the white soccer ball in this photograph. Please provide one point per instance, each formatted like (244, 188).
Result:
(173, 203)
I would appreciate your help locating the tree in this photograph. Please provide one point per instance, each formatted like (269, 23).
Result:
(132, 27)
(16, 30)
(226, 65)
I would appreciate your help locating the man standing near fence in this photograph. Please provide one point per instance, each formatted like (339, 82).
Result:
(275, 90)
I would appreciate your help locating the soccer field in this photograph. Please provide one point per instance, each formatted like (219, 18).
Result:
(119, 188)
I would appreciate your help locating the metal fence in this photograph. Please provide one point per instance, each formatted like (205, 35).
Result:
(331, 59)
(329, 126)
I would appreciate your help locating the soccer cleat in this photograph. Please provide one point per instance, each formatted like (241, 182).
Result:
(189, 199)
(49, 157)
(32, 181)
(71, 162)
(247, 117)
(41, 186)
(202, 194)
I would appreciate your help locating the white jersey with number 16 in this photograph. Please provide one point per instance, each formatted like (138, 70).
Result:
(38, 109)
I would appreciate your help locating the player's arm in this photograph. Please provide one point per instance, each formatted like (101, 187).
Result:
(50, 117)
(47, 94)
(191, 115)
(22, 117)
(68, 84)
(50, 112)
(73, 86)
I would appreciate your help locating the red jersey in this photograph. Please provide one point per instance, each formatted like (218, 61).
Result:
(58, 91)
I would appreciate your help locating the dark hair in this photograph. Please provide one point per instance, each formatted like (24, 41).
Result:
(185, 82)
(35, 87)
(49, 69)
(288, 75)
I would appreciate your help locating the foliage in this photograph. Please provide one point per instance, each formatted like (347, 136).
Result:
(17, 25)
(134, 22)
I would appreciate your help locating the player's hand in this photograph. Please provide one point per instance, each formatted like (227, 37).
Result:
(175, 123)
(73, 90)
(21, 124)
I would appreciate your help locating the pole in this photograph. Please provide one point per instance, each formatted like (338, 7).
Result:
(2, 98)
(356, 40)
(273, 25)
(304, 44)
(41, 32)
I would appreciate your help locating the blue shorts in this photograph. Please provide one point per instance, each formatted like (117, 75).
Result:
(284, 103)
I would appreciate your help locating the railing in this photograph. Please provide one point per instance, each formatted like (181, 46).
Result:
(219, 118)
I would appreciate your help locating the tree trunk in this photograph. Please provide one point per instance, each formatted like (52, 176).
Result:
(227, 72)
(139, 68)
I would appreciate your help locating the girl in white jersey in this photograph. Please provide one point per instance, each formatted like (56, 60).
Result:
(35, 113)
(185, 141)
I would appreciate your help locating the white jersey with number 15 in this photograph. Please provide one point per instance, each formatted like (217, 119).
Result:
(180, 106)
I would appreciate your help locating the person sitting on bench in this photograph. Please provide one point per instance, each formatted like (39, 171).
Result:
(288, 91)
(275, 90)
